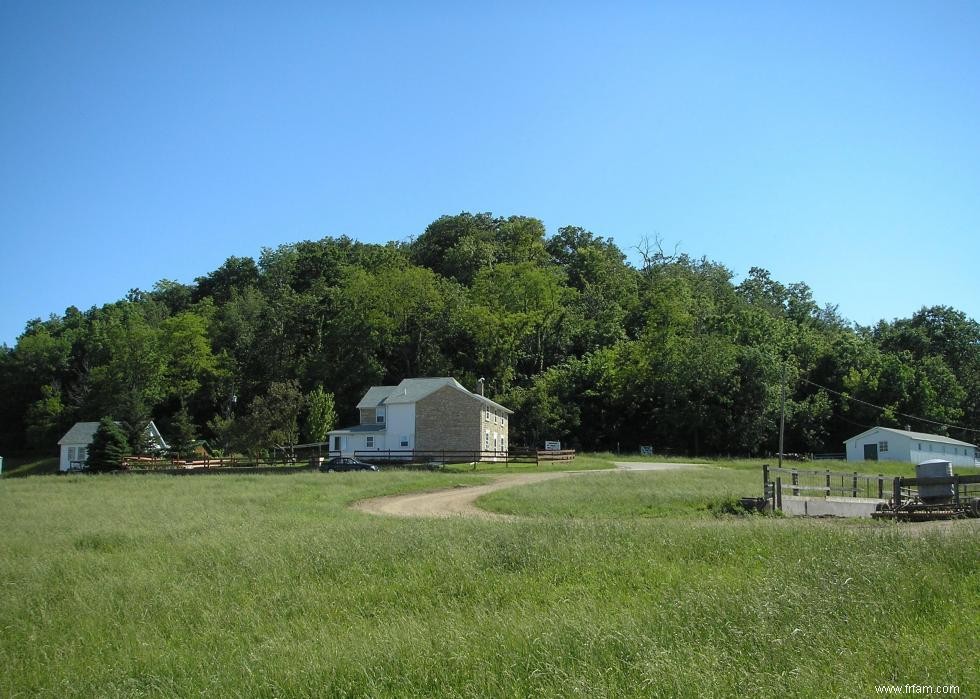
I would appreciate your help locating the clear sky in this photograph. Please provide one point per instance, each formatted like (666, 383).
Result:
(836, 144)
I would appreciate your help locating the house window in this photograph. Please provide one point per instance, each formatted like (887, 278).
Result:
(495, 441)
(882, 446)
(486, 440)
(404, 441)
(369, 442)
(381, 417)
(503, 444)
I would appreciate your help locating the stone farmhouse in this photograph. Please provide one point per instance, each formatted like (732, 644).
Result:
(425, 414)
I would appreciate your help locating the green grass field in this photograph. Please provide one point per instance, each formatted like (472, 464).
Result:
(698, 491)
(269, 585)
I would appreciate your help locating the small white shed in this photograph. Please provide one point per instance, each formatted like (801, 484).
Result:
(74, 445)
(890, 444)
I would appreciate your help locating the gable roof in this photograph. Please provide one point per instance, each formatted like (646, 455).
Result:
(84, 432)
(80, 433)
(413, 390)
(375, 396)
(919, 436)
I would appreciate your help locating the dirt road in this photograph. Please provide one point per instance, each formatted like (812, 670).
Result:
(461, 501)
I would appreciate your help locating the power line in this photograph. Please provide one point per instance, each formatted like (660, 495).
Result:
(872, 405)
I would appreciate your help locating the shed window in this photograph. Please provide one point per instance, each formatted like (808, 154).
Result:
(404, 441)
(882, 446)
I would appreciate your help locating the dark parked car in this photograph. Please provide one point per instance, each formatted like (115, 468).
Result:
(347, 463)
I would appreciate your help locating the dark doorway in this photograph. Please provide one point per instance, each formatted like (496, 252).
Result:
(870, 452)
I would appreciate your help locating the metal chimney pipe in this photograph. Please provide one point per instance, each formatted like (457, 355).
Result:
(479, 385)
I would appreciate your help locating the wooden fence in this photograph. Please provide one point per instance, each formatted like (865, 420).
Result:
(441, 457)
(899, 489)
(147, 463)
(304, 456)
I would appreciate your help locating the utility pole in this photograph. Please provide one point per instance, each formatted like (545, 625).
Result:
(782, 416)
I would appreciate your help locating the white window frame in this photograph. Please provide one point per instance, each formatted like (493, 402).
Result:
(369, 442)
(403, 441)
(882, 447)
(486, 440)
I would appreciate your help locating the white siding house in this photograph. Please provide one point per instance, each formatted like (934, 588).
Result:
(889, 444)
(358, 438)
(74, 445)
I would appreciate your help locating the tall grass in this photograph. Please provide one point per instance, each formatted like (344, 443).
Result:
(270, 586)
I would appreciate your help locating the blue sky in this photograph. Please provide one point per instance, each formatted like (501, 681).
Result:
(836, 144)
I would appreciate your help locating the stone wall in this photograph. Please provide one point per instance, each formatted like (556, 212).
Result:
(494, 424)
(448, 419)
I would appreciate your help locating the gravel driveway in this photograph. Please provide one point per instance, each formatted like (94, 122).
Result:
(461, 500)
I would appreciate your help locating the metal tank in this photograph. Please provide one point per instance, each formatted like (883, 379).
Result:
(935, 494)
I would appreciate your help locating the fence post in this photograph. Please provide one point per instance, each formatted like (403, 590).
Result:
(779, 493)
(796, 482)
(765, 480)
(897, 492)
(854, 485)
(881, 487)
(828, 483)
(956, 491)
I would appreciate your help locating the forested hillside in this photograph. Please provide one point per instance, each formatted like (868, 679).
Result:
(582, 345)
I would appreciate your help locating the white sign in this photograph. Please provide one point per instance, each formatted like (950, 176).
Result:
(552, 446)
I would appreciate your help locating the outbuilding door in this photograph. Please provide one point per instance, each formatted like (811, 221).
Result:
(870, 452)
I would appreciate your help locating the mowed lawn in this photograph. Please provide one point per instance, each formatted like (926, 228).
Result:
(271, 586)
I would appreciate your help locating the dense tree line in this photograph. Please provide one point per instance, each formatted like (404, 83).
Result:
(584, 346)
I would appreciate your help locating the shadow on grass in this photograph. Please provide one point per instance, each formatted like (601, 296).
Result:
(29, 465)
